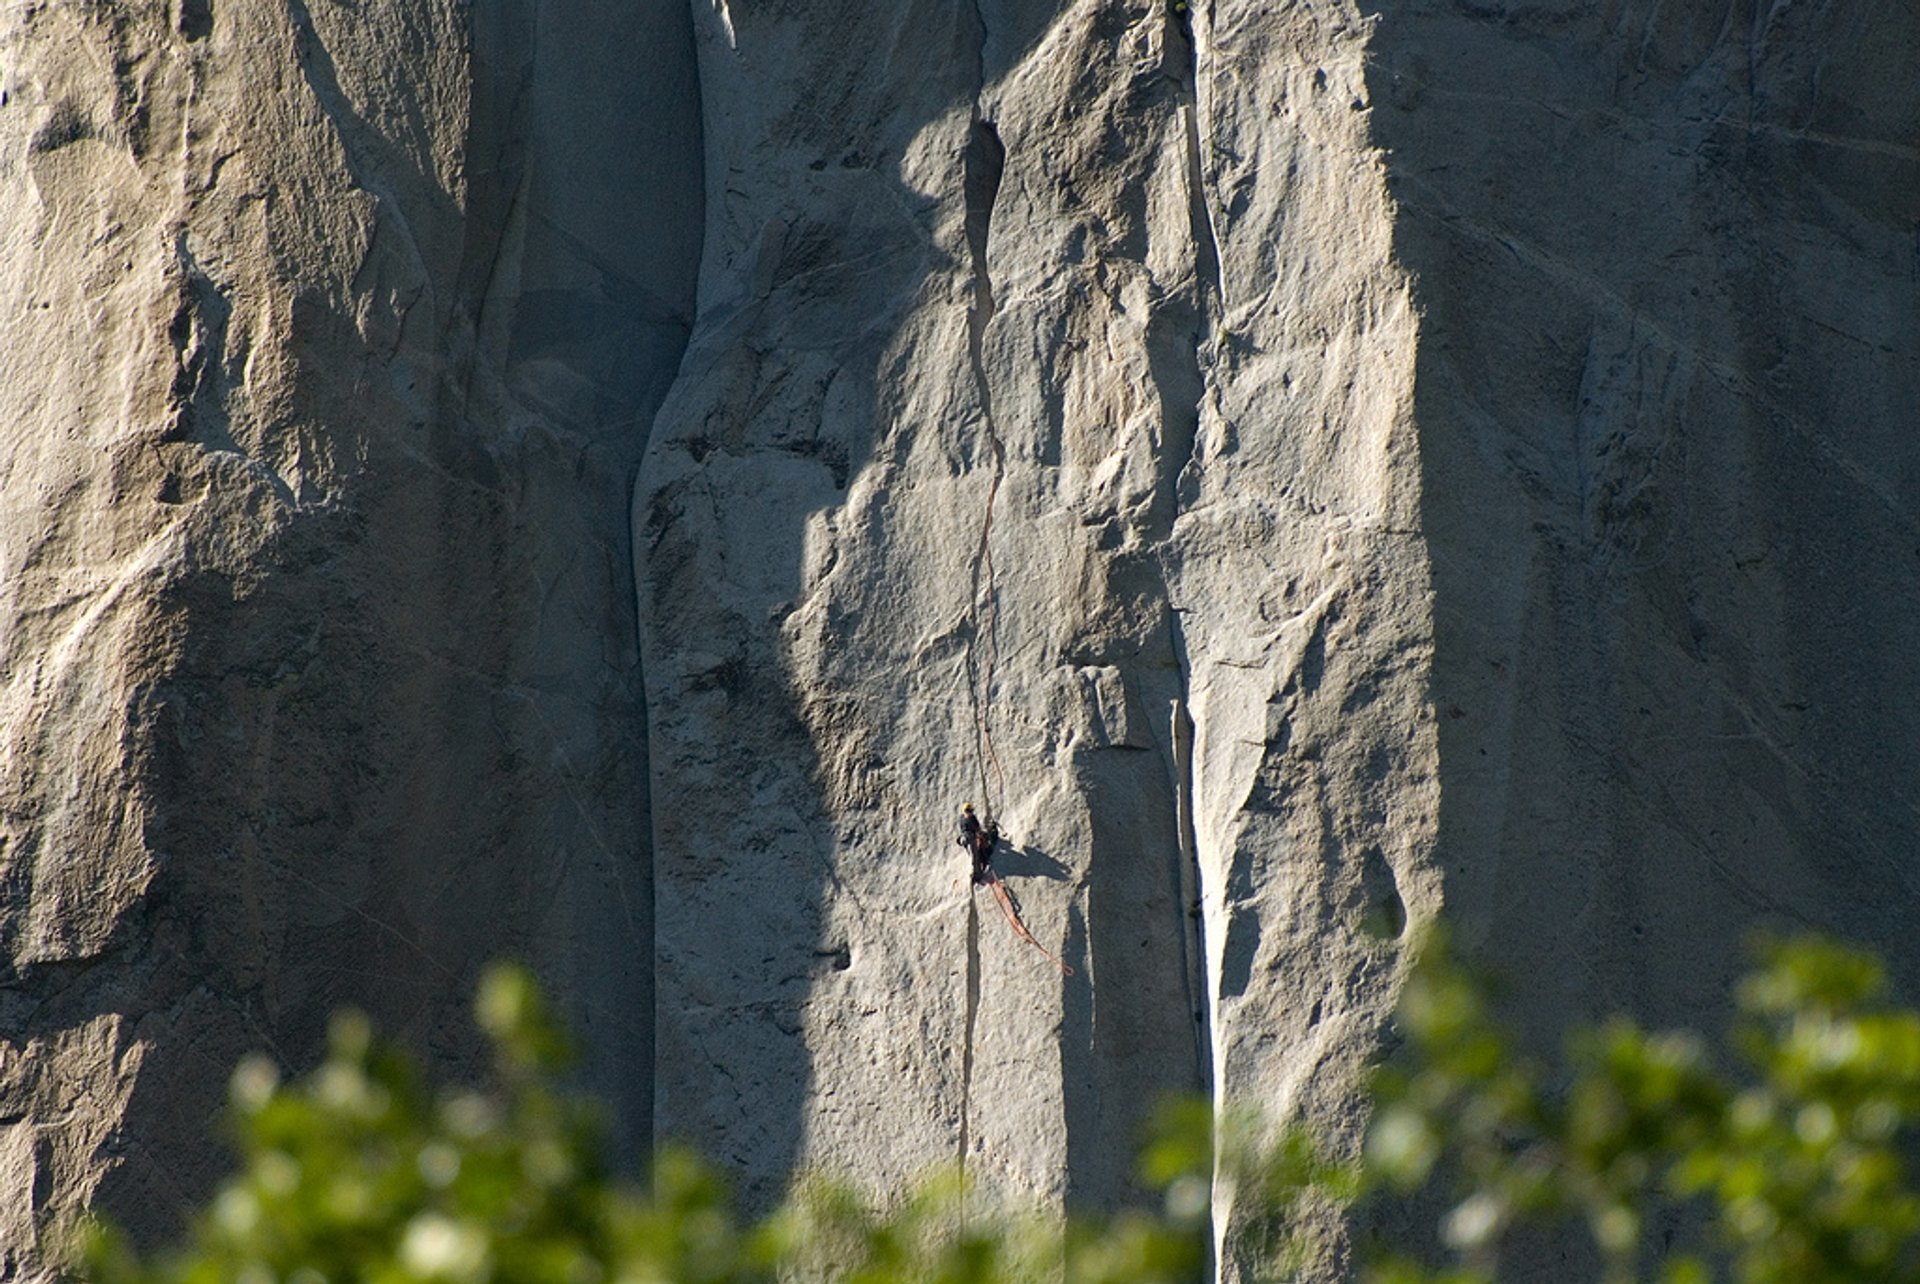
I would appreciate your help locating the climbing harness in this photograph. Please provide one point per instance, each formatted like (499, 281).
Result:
(1005, 898)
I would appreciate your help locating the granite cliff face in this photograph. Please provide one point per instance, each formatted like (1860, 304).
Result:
(1669, 267)
(1081, 484)
(606, 485)
(332, 338)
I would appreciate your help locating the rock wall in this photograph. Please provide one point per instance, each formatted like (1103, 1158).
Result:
(1669, 264)
(607, 483)
(1081, 484)
(329, 360)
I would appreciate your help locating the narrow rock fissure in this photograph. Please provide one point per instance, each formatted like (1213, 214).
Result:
(1206, 348)
(982, 166)
(982, 163)
(1192, 928)
(986, 162)
(1210, 345)
(1213, 291)
(637, 551)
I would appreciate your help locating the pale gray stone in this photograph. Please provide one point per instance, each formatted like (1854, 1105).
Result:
(607, 483)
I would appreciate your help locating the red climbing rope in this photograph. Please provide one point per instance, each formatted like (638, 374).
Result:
(1005, 898)
(983, 697)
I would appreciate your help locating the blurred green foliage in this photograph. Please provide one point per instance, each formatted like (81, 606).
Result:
(1781, 1156)
(359, 1173)
(1778, 1158)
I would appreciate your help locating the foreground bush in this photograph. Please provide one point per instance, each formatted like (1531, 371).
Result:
(359, 1173)
(1782, 1156)
(1783, 1153)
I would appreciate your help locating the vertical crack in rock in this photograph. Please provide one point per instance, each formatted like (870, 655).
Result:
(572, 300)
(986, 161)
(973, 1011)
(1201, 353)
(1206, 242)
(1191, 929)
(983, 163)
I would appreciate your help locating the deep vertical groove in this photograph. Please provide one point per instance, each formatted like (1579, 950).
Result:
(1193, 936)
(986, 161)
(549, 262)
(1208, 347)
(1209, 284)
(982, 163)
(1206, 239)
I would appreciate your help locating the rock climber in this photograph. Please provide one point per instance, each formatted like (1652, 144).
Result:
(979, 841)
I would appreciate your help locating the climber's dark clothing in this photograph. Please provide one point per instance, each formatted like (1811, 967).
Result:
(979, 844)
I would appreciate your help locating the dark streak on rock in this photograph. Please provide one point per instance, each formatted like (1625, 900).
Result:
(195, 19)
(973, 1012)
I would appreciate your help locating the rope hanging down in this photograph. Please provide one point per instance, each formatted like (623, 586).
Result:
(980, 840)
(982, 697)
(1005, 898)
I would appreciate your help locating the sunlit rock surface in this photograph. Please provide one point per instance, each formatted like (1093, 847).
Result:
(606, 484)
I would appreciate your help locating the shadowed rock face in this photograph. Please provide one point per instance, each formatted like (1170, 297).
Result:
(1669, 364)
(332, 340)
(606, 483)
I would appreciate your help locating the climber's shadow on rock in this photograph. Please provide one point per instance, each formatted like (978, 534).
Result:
(1028, 862)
